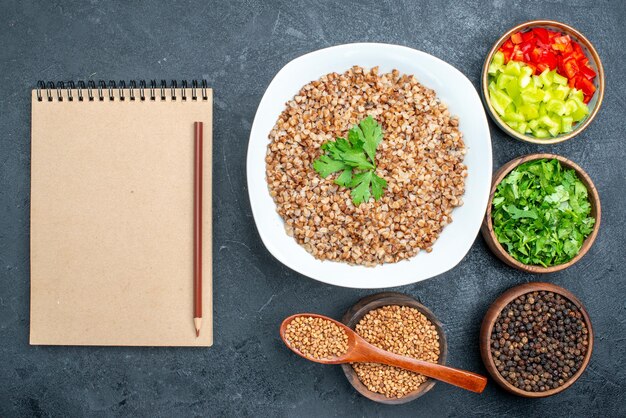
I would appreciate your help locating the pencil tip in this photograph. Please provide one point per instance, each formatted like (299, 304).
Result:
(197, 322)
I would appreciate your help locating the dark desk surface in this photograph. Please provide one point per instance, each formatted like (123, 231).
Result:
(238, 46)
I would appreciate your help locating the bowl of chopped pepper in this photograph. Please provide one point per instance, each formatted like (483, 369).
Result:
(543, 215)
(543, 82)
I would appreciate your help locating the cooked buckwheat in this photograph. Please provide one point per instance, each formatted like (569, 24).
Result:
(420, 157)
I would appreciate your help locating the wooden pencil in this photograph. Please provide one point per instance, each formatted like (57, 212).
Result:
(197, 229)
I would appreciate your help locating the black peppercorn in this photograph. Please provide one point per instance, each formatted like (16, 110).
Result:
(539, 341)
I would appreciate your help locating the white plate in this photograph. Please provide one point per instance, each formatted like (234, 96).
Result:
(452, 87)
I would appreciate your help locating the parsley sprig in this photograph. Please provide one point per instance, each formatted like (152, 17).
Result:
(541, 213)
(355, 157)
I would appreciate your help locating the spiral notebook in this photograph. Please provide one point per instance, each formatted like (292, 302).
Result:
(111, 224)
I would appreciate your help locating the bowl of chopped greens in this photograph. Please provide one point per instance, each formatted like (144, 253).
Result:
(544, 213)
(543, 82)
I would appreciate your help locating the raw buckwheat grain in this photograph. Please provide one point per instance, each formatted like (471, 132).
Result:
(316, 337)
(401, 330)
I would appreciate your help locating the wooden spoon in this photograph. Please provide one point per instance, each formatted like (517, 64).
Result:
(360, 351)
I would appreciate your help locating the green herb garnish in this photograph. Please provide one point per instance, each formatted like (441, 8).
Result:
(541, 213)
(355, 157)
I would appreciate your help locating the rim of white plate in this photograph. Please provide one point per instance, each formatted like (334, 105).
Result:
(449, 249)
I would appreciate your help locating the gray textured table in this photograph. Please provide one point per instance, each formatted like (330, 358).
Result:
(238, 47)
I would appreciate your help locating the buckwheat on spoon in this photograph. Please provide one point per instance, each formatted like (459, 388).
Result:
(324, 340)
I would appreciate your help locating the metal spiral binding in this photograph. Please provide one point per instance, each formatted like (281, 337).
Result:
(174, 86)
(49, 89)
(81, 87)
(121, 91)
(90, 86)
(133, 86)
(101, 86)
(70, 86)
(142, 87)
(105, 89)
(184, 90)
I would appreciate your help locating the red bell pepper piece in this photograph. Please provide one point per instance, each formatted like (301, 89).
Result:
(542, 34)
(531, 65)
(535, 55)
(578, 56)
(507, 54)
(563, 39)
(560, 43)
(586, 86)
(528, 35)
(548, 58)
(516, 38)
(526, 46)
(551, 35)
(568, 49)
(541, 67)
(508, 45)
(577, 51)
(571, 68)
(587, 72)
(571, 82)
(577, 47)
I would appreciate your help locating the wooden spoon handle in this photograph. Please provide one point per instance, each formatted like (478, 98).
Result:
(460, 378)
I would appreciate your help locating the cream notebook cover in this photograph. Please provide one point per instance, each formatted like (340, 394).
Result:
(112, 216)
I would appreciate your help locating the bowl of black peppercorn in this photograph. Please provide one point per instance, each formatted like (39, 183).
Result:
(536, 340)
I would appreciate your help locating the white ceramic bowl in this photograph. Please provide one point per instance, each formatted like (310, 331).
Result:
(452, 87)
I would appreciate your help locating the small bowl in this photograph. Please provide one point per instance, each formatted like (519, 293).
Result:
(358, 311)
(487, 226)
(490, 319)
(594, 60)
